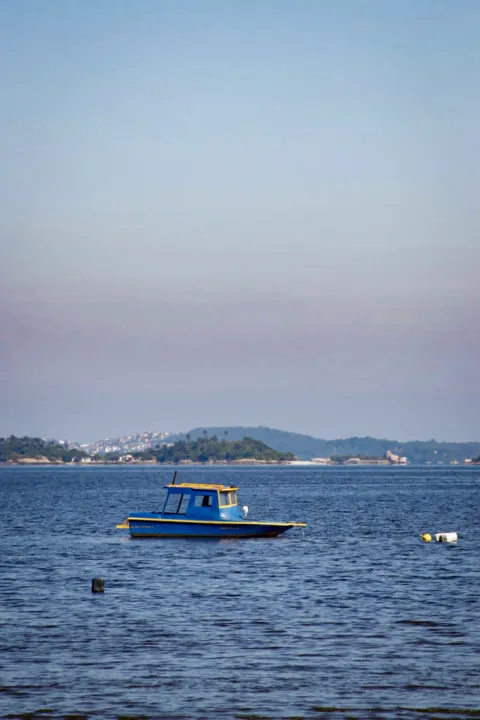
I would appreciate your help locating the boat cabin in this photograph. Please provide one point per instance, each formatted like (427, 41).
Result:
(201, 502)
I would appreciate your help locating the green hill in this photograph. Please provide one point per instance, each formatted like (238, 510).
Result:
(211, 449)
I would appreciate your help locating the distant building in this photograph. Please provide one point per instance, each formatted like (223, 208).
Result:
(393, 458)
(126, 458)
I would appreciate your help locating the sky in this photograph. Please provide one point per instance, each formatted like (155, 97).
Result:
(240, 213)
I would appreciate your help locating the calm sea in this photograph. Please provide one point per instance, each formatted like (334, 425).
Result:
(353, 618)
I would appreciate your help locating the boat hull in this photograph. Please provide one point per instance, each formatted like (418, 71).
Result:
(163, 528)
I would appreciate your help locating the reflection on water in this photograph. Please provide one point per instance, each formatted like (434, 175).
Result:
(355, 617)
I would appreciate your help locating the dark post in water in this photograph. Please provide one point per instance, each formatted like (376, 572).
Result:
(98, 585)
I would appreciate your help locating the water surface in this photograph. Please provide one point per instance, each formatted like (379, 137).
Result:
(355, 617)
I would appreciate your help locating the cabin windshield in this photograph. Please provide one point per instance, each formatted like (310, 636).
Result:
(228, 498)
(177, 504)
(203, 500)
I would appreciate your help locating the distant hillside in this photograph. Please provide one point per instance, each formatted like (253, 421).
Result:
(135, 442)
(305, 447)
(212, 449)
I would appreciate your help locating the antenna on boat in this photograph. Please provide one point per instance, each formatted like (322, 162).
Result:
(174, 477)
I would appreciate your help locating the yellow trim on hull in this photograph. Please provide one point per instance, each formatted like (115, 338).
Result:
(218, 522)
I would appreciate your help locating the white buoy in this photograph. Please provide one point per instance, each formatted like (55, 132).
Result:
(446, 537)
(245, 511)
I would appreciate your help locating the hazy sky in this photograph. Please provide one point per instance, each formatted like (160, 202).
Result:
(240, 212)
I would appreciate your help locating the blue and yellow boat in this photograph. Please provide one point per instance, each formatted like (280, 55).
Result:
(200, 510)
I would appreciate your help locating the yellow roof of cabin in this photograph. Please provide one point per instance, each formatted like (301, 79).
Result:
(201, 486)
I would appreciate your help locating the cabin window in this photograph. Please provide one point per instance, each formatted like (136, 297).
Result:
(182, 508)
(227, 498)
(203, 500)
(171, 506)
(177, 504)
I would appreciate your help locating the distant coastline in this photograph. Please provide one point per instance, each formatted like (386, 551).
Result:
(237, 446)
(245, 462)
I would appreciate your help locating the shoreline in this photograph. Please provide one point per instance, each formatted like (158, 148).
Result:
(31, 462)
